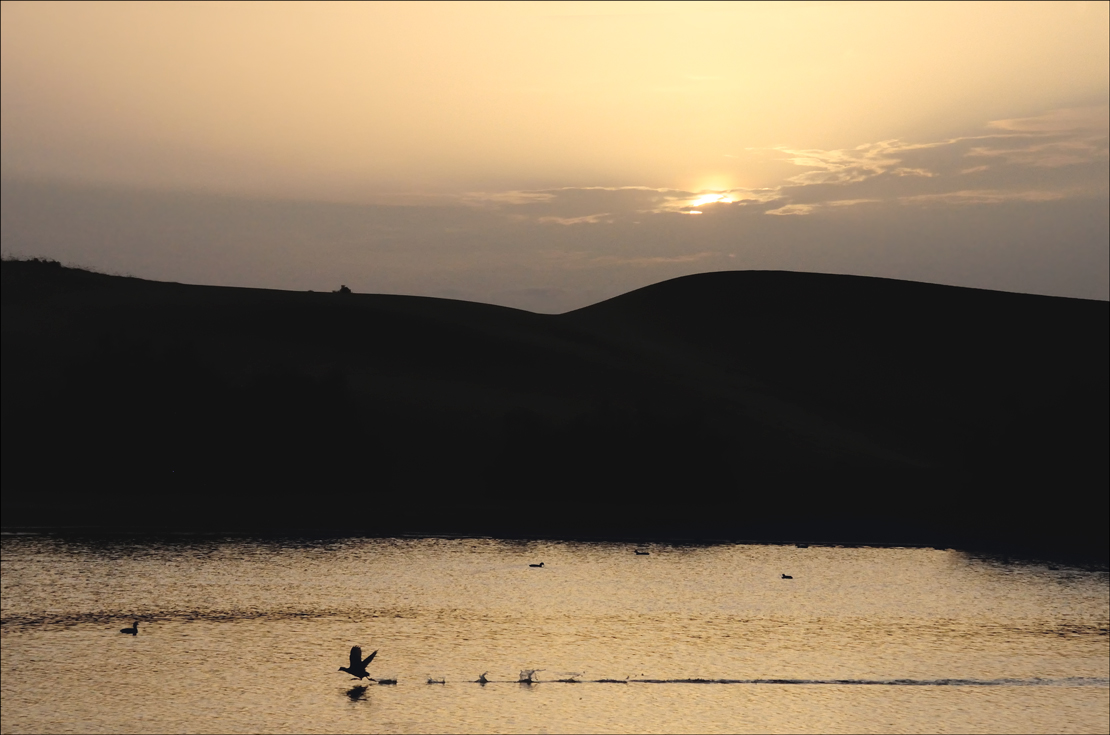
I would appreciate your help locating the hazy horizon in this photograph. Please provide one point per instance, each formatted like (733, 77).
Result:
(548, 156)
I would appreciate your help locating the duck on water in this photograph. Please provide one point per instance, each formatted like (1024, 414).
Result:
(358, 664)
(133, 630)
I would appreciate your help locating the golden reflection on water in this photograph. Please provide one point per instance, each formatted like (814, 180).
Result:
(247, 634)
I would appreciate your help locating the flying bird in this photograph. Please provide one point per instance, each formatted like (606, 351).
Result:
(358, 665)
(133, 630)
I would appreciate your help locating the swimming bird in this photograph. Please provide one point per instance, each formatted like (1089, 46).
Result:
(133, 630)
(358, 665)
(787, 576)
(642, 553)
(482, 679)
(537, 565)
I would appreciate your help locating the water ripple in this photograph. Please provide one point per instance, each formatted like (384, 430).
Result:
(1067, 681)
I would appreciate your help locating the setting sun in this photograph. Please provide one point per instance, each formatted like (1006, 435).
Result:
(710, 198)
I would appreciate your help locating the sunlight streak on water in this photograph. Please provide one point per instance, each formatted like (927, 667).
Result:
(246, 635)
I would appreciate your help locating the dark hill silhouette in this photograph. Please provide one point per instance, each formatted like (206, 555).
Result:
(742, 405)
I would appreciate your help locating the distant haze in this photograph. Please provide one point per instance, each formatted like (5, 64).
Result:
(547, 156)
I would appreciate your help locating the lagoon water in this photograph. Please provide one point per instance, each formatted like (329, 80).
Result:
(247, 634)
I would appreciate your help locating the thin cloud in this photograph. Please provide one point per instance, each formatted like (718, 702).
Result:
(484, 198)
(842, 166)
(984, 196)
(1048, 155)
(1003, 161)
(589, 219)
(579, 259)
(1006, 163)
(604, 260)
(795, 209)
(597, 204)
(1094, 119)
(571, 205)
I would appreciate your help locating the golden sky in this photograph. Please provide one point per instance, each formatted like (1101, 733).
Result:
(517, 106)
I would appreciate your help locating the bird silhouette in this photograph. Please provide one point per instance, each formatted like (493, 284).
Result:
(642, 553)
(133, 630)
(538, 566)
(787, 576)
(358, 665)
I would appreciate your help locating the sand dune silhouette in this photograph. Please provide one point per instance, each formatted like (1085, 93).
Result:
(738, 405)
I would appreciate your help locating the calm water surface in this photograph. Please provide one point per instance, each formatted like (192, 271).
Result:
(246, 635)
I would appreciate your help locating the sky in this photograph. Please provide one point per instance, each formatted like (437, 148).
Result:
(550, 155)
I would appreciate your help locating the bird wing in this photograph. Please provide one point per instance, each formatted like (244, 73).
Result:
(356, 657)
(368, 658)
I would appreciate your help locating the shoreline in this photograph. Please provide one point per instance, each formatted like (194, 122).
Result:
(1004, 552)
